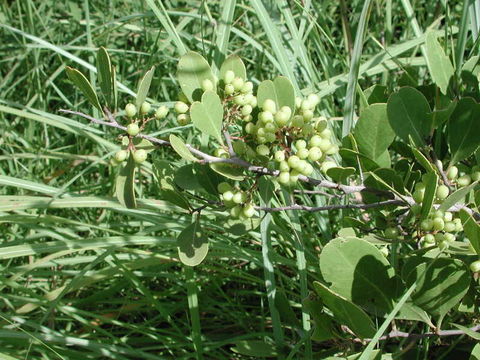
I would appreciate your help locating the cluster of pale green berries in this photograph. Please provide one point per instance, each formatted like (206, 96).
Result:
(441, 194)
(237, 201)
(133, 129)
(439, 229)
(464, 179)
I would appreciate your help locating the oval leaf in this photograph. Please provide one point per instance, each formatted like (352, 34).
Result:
(207, 116)
(438, 63)
(192, 245)
(84, 85)
(229, 171)
(143, 87)
(105, 76)
(235, 64)
(279, 90)
(192, 69)
(181, 149)
(124, 185)
(409, 114)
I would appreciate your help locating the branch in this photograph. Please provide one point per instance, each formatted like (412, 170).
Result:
(209, 159)
(401, 334)
(331, 207)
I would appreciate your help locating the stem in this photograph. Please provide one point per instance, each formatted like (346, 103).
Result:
(194, 311)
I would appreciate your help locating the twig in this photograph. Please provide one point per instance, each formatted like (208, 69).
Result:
(438, 164)
(401, 334)
(228, 140)
(330, 207)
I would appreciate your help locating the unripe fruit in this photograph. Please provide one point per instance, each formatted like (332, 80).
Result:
(458, 225)
(239, 100)
(314, 154)
(332, 150)
(239, 198)
(270, 137)
(452, 173)
(207, 85)
(439, 237)
(443, 245)
(297, 121)
(247, 87)
(313, 99)
(270, 127)
(464, 180)
(228, 77)
(307, 105)
(307, 170)
(293, 161)
(302, 153)
(250, 128)
(281, 118)
(145, 108)
(279, 155)
(263, 150)
(286, 109)
(224, 187)
(449, 226)
(247, 118)
(439, 213)
(300, 144)
(418, 195)
(391, 233)
(325, 145)
(294, 174)
(161, 112)
(475, 266)
(321, 125)
(448, 216)
(239, 147)
(429, 238)
(246, 110)
(298, 102)
(283, 166)
(235, 211)
(227, 195)
(326, 133)
(181, 107)
(269, 105)
(438, 224)
(237, 83)
(133, 129)
(265, 116)
(284, 178)
(475, 175)
(315, 141)
(139, 156)
(426, 225)
(229, 89)
(130, 110)
(449, 237)
(249, 210)
(442, 192)
(307, 115)
(121, 155)
(183, 119)
(328, 165)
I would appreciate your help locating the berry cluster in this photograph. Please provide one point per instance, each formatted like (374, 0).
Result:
(440, 228)
(138, 120)
(237, 201)
(464, 179)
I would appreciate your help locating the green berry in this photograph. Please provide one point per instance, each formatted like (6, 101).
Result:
(239, 197)
(228, 77)
(183, 119)
(426, 225)
(325, 145)
(313, 99)
(438, 224)
(227, 195)
(307, 169)
(265, 116)
(161, 112)
(247, 110)
(307, 115)
(293, 161)
(391, 233)
(283, 166)
(452, 173)
(464, 180)
(315, 141)
(284, 177)
(443, 245)
(307, 105)
(263, 150)
(207, 85)
(229, 89)
(239, 147)
(247, 88)
(448, 216)
(429, 238)
(279, 155)
(449, 237)
(133, 129)
(121, 155)
(281, 118)
(238, 83)
(475, 266)
(236, 211)
(130, 110)
(300, 144)
(239, 100)
(180, 107)
(297, 121)
(418, 195)
(442, 192)
(328, 165)
(449, 226)
(475, 175)
(139, 156)
(270, 106)
(302, 153)
(145, 108)
(249, 210)
(326, 134)
(314, 154)
(224, 187)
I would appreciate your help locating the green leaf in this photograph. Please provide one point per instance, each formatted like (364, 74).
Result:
(84, 85)
(427, 165)
(440, 285)
(180, 148)
(457, 196)
(255, 348)
(443, 115)
(187, 178)
(358, 271)
(430, 180)
(340, 174)
(143, 87)
(229, 171)
(192, 69)
(235, 64)
(207, 116)
(287, 314)
(279, 90)
(373, 131)
(438, 63)
(192, 245)
(323, 323)
(409, 115)
(143, 144)
(472, 229)
(124, 185)
(475, 354)
(473, 334)
(346, 312)
(105, 75)
(462, 136)
(240, 227)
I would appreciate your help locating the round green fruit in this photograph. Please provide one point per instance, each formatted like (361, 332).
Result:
(228, 77)
(475, 266)
(391, 233)
(442, 192)
(207, 85)
(161, 112)
(139, 156)
(180, 107)
(452, 173)
(121, 155)
(130, 110)
(145, 108)
(223, 187)
(133, 129)
(249, 210)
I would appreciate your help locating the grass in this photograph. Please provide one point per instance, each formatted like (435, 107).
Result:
(84, 278)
